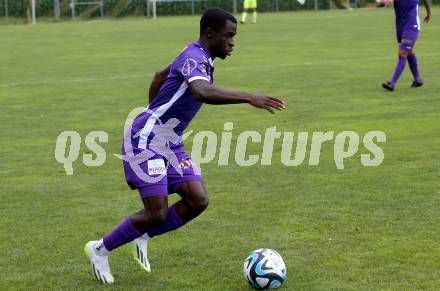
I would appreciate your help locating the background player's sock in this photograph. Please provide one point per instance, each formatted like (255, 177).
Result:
(172, 222)
(243, 17)
(399, 70)
(122, 234)
(254, 15)
(413, 65)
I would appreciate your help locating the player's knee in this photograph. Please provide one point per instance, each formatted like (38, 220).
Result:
(201, 204)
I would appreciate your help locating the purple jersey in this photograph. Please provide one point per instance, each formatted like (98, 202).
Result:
(174, 99)
(407, 15)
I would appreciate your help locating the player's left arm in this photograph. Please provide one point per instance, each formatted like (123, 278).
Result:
(210, 94)
(428, 11)
(158, 79)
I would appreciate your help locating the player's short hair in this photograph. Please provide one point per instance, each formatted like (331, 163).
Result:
(215, 18)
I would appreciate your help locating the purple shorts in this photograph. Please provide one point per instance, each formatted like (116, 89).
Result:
(407, 39)
(157, 175)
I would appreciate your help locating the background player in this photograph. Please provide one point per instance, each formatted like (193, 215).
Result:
(249, 5)
(176, 95)
(407, 30)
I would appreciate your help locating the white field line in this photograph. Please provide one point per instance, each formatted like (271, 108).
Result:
(237, 68)
(80, 80)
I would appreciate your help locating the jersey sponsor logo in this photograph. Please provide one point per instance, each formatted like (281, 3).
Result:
(188, 67)
(156, 167)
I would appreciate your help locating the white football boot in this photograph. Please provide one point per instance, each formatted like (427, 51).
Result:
(140, 252)
(99, 261)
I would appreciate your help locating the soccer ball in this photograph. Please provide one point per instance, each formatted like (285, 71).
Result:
(264, 269)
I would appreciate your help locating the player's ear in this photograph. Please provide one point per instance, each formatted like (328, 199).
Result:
(210, 32)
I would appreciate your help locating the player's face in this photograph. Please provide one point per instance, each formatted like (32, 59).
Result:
(223, 40)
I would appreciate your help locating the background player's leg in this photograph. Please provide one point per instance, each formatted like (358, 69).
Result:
(400, 67)
(407, 41)
(413, 65)
(243, 16)
(194, 201)
(254, 15)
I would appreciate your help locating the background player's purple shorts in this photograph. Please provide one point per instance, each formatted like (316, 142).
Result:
(157, 177)
(407, 39)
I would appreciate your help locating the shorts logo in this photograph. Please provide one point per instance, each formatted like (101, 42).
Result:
(188, 67)
(156, 167)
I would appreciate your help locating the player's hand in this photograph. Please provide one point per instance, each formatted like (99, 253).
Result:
(267, 102)
(427, 18)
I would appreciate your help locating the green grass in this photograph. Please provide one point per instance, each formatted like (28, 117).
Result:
(360, 228)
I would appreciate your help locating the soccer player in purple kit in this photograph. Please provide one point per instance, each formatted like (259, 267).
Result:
(155, 161)
(407, 30)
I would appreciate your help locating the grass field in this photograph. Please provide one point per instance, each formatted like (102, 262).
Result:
(361, 228)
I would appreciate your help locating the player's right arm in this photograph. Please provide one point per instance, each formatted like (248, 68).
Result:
(210, 94)
(158, 79)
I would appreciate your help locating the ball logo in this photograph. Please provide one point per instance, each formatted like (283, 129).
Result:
(188, 67)
(264, 269)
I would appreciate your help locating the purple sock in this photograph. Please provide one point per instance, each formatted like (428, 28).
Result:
(413, 65)
(122, 234)
(173, 222)
(399, 70)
